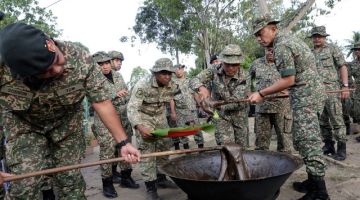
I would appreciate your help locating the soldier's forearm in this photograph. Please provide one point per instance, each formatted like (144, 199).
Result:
(111, 120)
(344, 75)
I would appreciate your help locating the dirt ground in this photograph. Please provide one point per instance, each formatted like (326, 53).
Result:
(342, 178)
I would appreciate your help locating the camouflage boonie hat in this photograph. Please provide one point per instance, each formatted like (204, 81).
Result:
(231, 54)
(318, 30)
(116, 54)
(355, 46)
(163, 64)
(101, 56)
(262, 21)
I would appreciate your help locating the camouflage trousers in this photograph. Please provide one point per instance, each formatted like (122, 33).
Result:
(264, 122)
(149, 166)
(332, 121)
(129, 132)
(182, 119)
(107, 147)
(232, 127)
(355, 108)
(28, 149)
(307, 139)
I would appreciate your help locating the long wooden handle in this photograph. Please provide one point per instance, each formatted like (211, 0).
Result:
(83, 165)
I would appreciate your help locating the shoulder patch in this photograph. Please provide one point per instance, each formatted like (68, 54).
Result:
(139, 93)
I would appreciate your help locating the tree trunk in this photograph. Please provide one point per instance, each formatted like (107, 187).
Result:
(263, 8)
(299, 14)
(177, 56)
(206, 47)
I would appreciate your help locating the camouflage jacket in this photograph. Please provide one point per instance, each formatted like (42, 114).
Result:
(265, 74)
(354, 77)
(222, 89)
(119, 84)
(328, 61)
(294, 57)
(57, 98)
(147, 98)
(184, 99)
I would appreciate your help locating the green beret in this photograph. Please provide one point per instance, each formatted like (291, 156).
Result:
(26, 50)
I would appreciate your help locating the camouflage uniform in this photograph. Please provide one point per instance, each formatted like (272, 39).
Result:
(49, 120)
(272, 113)
(186, 111)
(147, 107)
(306, 96)
(354, 72)
(232, 125)
(328, 61)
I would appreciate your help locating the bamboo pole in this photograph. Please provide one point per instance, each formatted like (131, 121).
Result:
(84, 165)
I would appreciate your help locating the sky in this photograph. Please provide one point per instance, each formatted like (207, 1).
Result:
(99, 24)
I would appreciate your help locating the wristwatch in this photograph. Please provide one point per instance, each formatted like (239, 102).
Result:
(121, 144)
(345, 85)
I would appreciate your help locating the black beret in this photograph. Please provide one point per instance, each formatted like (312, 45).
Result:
(25, 49)
(213, 57)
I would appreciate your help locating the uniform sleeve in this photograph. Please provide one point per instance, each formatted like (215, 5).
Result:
(284, 61)
(338, 57)
(97, 86)
(202, 79)
(133, 107)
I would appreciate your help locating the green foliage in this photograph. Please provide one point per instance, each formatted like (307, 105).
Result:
(136, 74)
(28, 11)
(355, 39)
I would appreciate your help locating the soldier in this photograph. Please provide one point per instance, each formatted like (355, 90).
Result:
(214, 59)
(120, 101)
(271, 113)
(42, 86)
(228, 83)
(183, 109)
(146, 112)
(330, 61)
(297, 66)
(354, 72)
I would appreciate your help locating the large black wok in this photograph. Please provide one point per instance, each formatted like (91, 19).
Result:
(197, 174)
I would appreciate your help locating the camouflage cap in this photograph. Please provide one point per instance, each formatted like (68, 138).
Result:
(178, 66)
(163, 64)
(116, 54)
(356, 46)
(101, 56)
(318, 30)
(232, 54)
(262, 21)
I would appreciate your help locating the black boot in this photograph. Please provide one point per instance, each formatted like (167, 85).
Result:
(329, 148)
(200, 146)
(127, 181)
(151, 191)
(163, 182)
(116, 175)
(108, 187)
(348, 129)
(357, 138)
(177, 145)
(186, 146)
(341, 151)
(302, 186)
(48, 194)
(316, 190)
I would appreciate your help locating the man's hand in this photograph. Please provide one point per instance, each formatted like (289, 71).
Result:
(2, 176)
(345, 94)
(173, 117)
(204, 93)
(255, 98)
(145, 132)
(130, 153)
(122, 93)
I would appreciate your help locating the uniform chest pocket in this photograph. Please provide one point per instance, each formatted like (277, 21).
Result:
(327, 61)
(70, 95)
